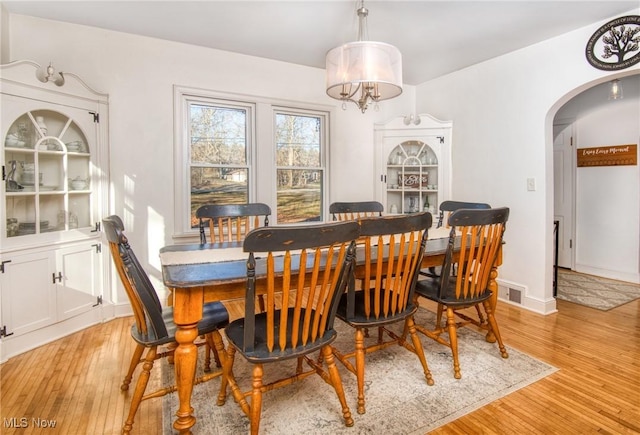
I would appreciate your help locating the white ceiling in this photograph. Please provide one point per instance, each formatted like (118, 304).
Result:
(435, 37)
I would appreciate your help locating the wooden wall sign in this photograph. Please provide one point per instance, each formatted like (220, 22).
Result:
(614, 155)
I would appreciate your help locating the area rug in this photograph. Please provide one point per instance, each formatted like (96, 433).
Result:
(595, 292)
(398, 400)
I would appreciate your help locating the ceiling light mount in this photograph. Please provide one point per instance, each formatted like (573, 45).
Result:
(364, 71)
(615, 92)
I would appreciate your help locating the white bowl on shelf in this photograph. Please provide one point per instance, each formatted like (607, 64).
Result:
(75, 146)
(12, 140)
(79, 184)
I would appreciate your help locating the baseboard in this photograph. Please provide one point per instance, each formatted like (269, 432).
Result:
(518, 295)
(607, 273)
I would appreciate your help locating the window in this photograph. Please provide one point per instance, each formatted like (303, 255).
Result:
(299, 167)
(237, 149)
(219, 144)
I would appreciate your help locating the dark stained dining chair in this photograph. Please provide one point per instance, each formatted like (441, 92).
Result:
(480, 233)
(348, 211)
(307, 269)
(231, 222)
(393, 250)
(153, 325)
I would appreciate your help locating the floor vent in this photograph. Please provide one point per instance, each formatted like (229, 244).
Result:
(515, 295)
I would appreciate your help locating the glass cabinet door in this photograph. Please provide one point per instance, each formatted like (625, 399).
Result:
(47, 163)
(412, 178)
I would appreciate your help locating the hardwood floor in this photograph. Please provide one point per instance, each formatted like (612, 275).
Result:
(75, 381)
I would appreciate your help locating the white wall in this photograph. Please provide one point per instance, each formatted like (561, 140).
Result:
(139, 73)
(502, 111)
(607, 197)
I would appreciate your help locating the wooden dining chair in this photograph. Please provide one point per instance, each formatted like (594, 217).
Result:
(153, 325)
(393, 250)
(231, 222)
(305, 269)
(480, 233)
(348, 211)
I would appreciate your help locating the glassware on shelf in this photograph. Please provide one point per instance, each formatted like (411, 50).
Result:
(12, 227)
(399, 158)
(67, 217)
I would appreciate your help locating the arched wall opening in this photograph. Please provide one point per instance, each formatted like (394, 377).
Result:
(605, 225)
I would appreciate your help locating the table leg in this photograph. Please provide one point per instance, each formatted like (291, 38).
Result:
(187, 312)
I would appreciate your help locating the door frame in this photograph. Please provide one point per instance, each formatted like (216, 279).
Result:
(571, 178)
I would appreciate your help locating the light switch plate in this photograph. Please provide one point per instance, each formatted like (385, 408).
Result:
(531, 184)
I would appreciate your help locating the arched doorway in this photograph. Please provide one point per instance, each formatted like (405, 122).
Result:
(598, 208)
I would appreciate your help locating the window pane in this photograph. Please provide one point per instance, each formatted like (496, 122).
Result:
(226, 185)
(299, 195)
(218, 135)
(297, 140)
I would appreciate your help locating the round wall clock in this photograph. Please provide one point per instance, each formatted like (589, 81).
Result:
(615, 45)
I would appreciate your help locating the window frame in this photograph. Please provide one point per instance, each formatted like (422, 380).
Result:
(261, 156)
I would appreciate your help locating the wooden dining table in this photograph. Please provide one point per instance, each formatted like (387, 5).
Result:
(199, 273)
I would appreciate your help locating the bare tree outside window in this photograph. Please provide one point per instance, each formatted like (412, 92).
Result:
(218, 156)
(299, 166)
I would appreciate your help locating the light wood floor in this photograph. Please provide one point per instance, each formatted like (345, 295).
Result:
(75, 381)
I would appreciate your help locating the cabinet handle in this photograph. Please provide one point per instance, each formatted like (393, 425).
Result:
(59, 277)
(3, 332)
(97, 228)
(2, 265)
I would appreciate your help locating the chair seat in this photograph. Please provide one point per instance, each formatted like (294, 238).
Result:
(260, 352)
(360, 318)
(429, 288)
(214, 316)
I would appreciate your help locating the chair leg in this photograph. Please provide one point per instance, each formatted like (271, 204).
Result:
(256, 399)
(494, 327)
(141, 386)
(417, 344)
(480, 316)
(453, 342)
(359, 341)
(135, 360)
(439, 316)
(210, 348)
(336, 382)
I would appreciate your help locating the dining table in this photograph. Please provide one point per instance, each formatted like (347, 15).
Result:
(199, 273)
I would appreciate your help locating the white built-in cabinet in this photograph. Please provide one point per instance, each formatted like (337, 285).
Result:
(413, 164)
(53, 271)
